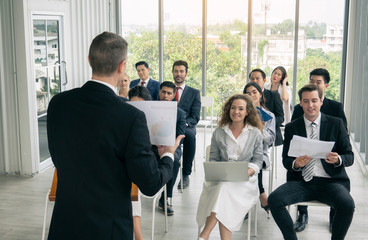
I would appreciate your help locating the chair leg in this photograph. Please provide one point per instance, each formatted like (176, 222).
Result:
(181, 173)
(45, 216)
(249, 221)
(255, 220)
(165, 202)
(153, 218)
(275, 162)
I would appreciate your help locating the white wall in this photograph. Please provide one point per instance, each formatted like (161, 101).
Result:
(83, 20)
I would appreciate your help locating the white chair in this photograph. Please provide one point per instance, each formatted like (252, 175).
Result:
(310, 203)
(274, 159)
(206, 101)
(155, 197)
(254, 205)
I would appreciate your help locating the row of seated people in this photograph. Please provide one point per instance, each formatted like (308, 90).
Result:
(278, 84)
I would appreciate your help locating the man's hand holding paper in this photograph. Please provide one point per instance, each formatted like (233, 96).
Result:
(302, 146)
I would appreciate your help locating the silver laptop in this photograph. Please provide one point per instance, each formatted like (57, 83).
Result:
(226, 171)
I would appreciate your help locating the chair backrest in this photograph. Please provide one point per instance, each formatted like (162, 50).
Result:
(52, 195)
(207, 101)
(208, 148)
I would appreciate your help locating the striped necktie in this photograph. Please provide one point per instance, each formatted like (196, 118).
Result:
(308, 170)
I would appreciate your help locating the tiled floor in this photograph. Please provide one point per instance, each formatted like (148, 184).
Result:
(22, 202)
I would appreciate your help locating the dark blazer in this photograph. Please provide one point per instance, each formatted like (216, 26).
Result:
(190, 102)
(274, 104)
(331, 129)
(153, 87)
(180, 122)
(329, 107)
(99, 145)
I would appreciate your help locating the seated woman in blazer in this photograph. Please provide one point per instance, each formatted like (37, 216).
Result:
(237, 138)
(269, 135)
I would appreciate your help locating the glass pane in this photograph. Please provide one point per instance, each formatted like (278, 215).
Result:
(140, 29)
(183, 39)
(42, 89)
(42, 137)
(52, 42)
(323, 30)
(54, 75)
(226, 50)
(39, 36)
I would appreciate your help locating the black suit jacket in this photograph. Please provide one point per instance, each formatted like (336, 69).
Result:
(153, 87)
(99, 145)
(190, 103)
(329, 107)
(331, 129)
(274, 104)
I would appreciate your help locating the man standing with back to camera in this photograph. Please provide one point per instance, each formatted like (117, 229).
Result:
(100, 145)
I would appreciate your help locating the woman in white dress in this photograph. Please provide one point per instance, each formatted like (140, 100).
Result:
(237, 138)
(279, 83)
(269, 135)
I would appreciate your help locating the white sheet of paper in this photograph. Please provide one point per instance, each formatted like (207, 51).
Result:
(300, 146)
(161, 120)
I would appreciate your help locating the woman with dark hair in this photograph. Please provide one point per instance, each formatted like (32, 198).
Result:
(279, 83)
(238, 137)
(269, 134)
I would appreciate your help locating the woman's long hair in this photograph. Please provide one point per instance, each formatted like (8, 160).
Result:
(256, 86)
(252, 118)
(284, 73)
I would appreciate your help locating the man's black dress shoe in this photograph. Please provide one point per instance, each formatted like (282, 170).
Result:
(185, 182)
(301, 222)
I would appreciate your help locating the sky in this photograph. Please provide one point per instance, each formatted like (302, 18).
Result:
(145, 12)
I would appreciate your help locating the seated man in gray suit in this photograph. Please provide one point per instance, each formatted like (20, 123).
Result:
(189, 100)
(145, 81)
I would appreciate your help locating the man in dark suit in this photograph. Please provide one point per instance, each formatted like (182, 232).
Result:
(100, 145)
(167, 93)
(321, 78)
(145, 81)
(189, 100)
(272, 99)
(324, 180)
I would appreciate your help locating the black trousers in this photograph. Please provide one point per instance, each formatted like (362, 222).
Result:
(328, 191)
(189, 149)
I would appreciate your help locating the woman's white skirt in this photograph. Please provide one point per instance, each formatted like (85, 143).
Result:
(231, 201)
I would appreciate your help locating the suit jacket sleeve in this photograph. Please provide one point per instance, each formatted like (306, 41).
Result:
(279, 111)
(215, 148)
(286, 160)
(343, 146)
(180, 123)
(195, 110)
(142, 167)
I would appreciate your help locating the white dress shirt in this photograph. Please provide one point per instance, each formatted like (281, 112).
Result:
(106, 84)
(181, 89)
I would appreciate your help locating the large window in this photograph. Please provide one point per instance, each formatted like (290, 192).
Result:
(140, 29)
(323, 31)
(319, 40)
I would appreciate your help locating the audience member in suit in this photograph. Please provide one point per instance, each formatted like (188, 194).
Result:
(238, 137)
(124, 87)
(145, 81)
(269, 135)
(99, 145)
(271, 100)
(167, 93)
(140, 93)
(189, 100)
(324, 180)
(321, 78)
